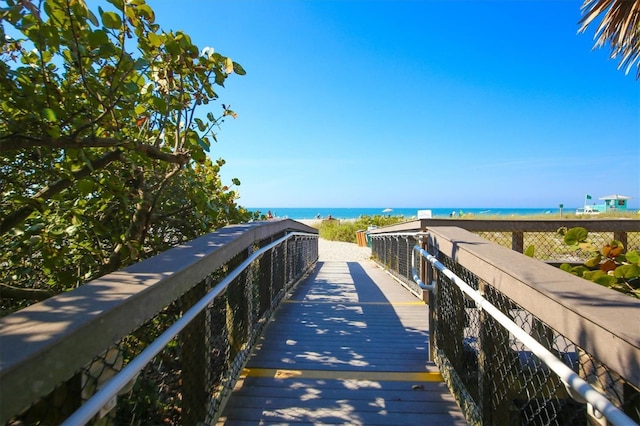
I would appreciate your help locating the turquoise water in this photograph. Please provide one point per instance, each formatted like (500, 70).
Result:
(353, 212)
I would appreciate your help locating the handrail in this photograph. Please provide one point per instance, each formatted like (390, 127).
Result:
(478, 224)
(414, 269)
(102, 397)
(49, 342)
(416, 276)
(570, 379)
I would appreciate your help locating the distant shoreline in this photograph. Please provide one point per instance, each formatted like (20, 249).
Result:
(345, 213)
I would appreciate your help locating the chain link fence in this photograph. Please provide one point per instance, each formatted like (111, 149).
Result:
(189, 379)
(496, 379)
(505, 383)
(395, 253)
(550, 246)
(544, 236)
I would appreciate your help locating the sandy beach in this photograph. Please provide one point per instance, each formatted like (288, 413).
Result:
(337, 250)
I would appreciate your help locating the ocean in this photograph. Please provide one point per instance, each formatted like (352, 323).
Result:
(356, 212)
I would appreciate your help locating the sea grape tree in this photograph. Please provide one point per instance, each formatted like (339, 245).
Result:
(106, 127)
(609, 265)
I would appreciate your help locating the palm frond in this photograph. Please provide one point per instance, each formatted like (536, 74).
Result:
(619, 26)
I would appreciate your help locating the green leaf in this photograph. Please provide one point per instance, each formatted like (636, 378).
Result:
(633, 257)
(204, 145)
(140, 64)
(220, 77)
(530, 251)
(575, 236)
(35, 228)
(565, 267)
(111, 20)
(97, 38)
(198, 155)
(146, 11)
(49, 114)
(201, 125)
(92, 18)
(236, 181)
(154, 39)
(159, 104)
(605, 280)
(85, 186)
(132, 87)
(117, 3)
(172, 46)
(140, 109)
(593, 275)
(237, 68)
(627, 271)
(580, 270)
(86, 160)
(54, 131)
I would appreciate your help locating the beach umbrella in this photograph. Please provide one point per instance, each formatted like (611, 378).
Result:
(387, 210)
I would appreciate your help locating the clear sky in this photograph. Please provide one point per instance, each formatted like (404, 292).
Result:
(393, 103)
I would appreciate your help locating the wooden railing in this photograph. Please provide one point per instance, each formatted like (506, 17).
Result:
(56, 354)
(625, 230)
(591, 328)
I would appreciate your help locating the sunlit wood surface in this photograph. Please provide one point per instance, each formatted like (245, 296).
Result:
(350, 346)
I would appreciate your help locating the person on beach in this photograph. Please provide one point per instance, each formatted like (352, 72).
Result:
(269, 215)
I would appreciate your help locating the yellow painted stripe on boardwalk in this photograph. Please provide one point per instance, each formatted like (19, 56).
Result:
(333, 302)
(380, 376)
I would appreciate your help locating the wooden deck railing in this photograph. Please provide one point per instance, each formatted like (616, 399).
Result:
(591, 328)
(518, 233)
(56, 354)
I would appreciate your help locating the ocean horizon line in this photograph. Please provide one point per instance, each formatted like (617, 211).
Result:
(409, 212)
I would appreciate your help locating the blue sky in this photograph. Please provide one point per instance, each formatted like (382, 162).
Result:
(417, 103)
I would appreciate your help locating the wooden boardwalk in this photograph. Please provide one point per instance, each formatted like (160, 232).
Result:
(350, 346)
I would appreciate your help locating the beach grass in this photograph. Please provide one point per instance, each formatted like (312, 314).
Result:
(345, 229)
(631, 214)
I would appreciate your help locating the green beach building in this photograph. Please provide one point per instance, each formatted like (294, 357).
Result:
(612, 203)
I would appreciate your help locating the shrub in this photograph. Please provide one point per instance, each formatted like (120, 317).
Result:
(609, 265)
(336, 230)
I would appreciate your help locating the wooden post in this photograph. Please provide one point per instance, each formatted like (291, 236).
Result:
(193, 356)
(622, 237)
(517, 241)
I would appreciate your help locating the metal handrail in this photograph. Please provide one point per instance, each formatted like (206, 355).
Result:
(577, 387)
(111, 388)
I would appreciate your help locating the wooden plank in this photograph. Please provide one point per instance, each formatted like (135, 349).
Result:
(343, 388)
(350, 346)
(418, 376)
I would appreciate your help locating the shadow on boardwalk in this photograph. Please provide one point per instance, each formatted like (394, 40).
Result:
(350, 346)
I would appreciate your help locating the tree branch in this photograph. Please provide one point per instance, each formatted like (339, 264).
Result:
(18, 216)
(17, 293)
(20, 142)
